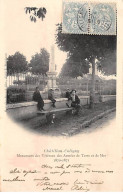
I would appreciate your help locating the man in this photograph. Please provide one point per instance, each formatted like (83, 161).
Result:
(67, 95)
(51, 97)
(75, 101)
(37, 98)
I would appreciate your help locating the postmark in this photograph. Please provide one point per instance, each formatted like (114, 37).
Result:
(82, 18)
(75, 17)
(89, 18)
(103, 18)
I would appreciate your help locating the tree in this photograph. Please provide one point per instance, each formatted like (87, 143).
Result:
(90, 47)
(40, 62)
(16, 63)
(36, 13)
(108, 64)
(73, 68)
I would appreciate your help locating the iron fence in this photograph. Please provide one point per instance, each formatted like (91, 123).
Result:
(20, 86)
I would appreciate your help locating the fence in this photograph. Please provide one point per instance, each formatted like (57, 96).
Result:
(20, 86)
(25, 79)
(83, 86)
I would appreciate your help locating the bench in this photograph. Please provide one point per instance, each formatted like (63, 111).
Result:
(50, 114)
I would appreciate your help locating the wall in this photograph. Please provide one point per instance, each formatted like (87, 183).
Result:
(29, 109)
(105, 98)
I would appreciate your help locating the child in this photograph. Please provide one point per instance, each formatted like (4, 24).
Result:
(75, 101)
(51, 97)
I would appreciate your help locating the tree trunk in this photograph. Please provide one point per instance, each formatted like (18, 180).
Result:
(18, 78)
(92, 95)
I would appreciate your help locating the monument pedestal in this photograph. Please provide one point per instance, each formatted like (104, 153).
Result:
(51, 74)
(52, 80)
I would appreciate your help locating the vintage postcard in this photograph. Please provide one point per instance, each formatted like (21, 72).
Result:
(61, 96)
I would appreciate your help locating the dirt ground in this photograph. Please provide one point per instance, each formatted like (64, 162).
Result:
(65, 124)
(100, 123)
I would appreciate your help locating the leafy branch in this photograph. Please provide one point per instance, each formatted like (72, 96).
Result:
(36, 13)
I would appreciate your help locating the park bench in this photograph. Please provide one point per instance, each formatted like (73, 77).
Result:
(50, 114)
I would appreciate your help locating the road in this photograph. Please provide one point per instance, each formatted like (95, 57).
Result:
(67, 124)
(68, 127)
(108, 120)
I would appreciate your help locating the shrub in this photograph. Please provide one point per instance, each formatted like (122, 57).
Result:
(15, 94)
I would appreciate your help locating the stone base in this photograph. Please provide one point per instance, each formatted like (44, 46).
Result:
(51, 80)
(52, 84)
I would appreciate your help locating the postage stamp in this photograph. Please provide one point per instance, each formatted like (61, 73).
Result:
(103, 18)
(89, 18)
(75, 17)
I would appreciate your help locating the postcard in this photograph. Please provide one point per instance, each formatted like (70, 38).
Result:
(61, 96)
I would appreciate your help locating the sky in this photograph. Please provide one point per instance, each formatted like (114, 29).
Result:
(27, 37)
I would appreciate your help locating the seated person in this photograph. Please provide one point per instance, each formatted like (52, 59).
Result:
(37, 98)
(67, 95)
(75, 101)
(51, 97)
(8, 97)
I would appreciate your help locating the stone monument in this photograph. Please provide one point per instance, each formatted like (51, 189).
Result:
(52, 71)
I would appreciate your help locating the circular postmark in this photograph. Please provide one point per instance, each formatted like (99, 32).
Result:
(82, 18)
(102, 17)
(75, 17)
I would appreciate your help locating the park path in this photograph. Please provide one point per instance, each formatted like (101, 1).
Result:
(68, 127)
(101, 124)
(67, 124)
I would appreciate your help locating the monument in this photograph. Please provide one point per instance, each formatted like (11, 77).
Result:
(52, 71)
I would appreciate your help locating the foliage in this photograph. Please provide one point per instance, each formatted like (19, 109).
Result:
(19, 82)
(35, 80)
(106, 87)
(15, 94)
(16, 63)
(74, 69)
(108, 64)
(40, 62)
(36, 13)
(87, 47)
